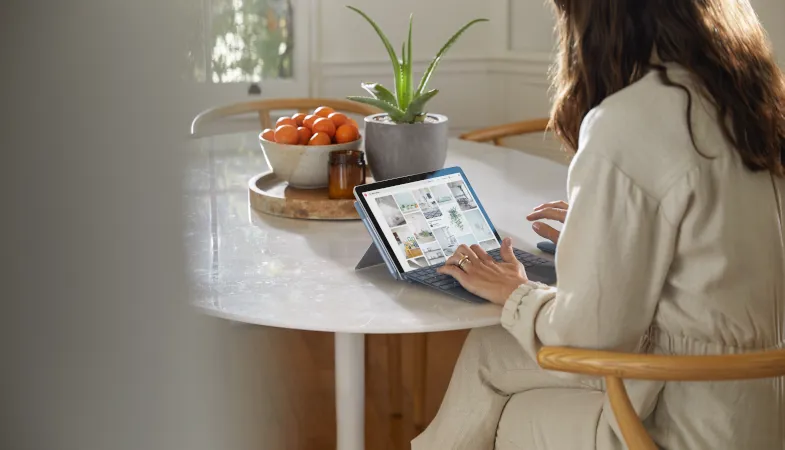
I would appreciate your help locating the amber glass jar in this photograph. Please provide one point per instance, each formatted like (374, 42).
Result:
(347, 170)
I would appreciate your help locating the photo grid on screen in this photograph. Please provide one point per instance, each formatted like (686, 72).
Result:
(428, 223)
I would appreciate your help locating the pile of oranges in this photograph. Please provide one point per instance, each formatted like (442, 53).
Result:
(323, 127)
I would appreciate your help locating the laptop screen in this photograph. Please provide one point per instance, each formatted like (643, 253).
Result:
(425, 221)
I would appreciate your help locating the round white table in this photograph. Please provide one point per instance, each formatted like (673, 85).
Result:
(258, 269)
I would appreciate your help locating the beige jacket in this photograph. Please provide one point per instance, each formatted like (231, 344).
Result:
(684, 246)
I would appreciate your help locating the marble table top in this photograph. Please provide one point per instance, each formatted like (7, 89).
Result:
(249, 267)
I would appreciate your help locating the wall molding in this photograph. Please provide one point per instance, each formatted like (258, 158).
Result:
(533, 67)
(529, 68)
(383, 67)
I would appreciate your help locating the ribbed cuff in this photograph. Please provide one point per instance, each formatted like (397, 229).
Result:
(520, 312)
(510, 309)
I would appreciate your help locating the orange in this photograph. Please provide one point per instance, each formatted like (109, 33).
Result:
(285, 121)
(324, 126)
(346, 133)
(268, 135)
(287, 134)
(320, 139)
(305, 135)
(353, 122)
(299, 118)
(309, 120)
(324, 111)
(338, 119)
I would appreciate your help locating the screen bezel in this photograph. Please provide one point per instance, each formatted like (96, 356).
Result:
(359, 192)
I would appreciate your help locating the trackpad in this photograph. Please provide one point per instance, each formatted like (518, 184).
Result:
(544, 273)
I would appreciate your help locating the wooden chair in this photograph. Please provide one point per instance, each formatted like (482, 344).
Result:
(617, 366)
(545, 145)
(263, 108)
(497, 133)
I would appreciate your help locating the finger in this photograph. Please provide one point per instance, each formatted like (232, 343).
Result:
(550, 213)
(546, 231)
(454, 272)
(458, 257)
(558, 204)
(453, 260)
(556, 214)
(465, 250)
(507, 254)
(482, 255)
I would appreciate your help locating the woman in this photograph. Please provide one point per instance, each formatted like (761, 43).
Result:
(673, 242)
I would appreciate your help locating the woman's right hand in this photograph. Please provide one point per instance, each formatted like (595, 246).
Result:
(552, 211)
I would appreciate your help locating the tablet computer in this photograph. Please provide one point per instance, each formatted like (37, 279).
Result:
(419, 221)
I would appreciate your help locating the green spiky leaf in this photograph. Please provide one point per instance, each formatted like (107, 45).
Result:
(435, 62)
(409, 44)
(408, 82)
(417, 106)
(390, 51)
(380, 92)
(396, 115)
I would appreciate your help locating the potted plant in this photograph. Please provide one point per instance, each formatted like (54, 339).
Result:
(405, 139)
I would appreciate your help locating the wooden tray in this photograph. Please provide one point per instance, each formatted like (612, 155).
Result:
(271, 195)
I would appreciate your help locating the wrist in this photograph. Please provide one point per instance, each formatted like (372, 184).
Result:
(509, 289)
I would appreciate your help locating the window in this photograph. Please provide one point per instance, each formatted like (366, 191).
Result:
(249, 40)
(249, 48)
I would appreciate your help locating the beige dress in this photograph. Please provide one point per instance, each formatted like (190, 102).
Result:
(664, 250)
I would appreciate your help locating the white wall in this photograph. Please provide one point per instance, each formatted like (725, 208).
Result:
(772, 14)
(496, 73)
(532, 24)
(346, 37)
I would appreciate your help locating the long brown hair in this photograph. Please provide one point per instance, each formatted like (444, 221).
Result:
(606, 45)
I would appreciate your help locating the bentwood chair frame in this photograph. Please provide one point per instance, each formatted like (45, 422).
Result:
(263, 108)
(616, 367)
(496, 134)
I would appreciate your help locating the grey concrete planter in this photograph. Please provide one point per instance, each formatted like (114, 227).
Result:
(397, 150)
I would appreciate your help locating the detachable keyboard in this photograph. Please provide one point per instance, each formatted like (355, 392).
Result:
(430, 277)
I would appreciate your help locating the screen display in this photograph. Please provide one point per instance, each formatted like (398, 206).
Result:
(423, 222)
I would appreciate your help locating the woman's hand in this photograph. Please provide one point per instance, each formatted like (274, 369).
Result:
(553, 211)
(484, 277)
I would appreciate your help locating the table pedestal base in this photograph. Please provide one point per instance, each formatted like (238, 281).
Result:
(350, 390)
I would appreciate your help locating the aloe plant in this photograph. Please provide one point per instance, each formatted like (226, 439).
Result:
(407, 104)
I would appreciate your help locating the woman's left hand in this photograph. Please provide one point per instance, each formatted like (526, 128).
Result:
(484, 277)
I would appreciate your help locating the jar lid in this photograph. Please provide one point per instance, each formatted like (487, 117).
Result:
(347, 156)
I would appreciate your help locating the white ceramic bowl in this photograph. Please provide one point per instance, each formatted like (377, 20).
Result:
(303, 166)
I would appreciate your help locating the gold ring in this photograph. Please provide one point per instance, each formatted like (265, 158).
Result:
(462, 261)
